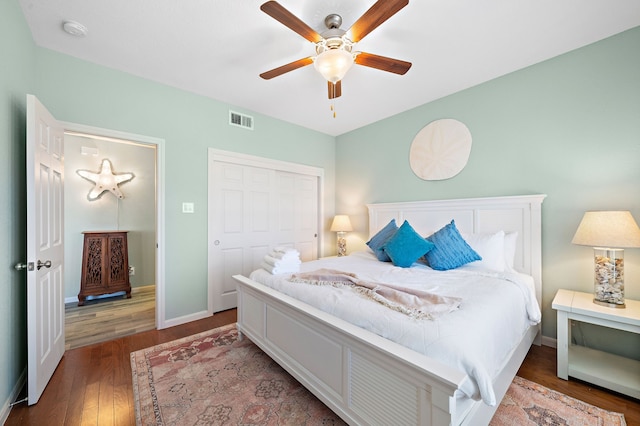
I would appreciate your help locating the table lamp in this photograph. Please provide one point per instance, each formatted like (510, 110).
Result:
(609, 233)
(341, 224)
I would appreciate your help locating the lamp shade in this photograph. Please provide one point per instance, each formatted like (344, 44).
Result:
(341, 223)
(612, 229)
(333, 64)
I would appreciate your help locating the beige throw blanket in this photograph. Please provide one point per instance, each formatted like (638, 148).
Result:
(414, 303)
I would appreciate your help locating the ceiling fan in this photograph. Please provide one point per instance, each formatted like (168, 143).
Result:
(334, 50)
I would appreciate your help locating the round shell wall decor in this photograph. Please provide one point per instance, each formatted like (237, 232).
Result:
(440, 150)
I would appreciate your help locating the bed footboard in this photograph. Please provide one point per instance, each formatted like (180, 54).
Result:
(361, 376)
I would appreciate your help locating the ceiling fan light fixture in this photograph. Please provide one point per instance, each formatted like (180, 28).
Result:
(333, 64)
(334, 49)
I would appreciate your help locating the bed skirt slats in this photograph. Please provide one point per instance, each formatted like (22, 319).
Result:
(318, 355)
(379, 396)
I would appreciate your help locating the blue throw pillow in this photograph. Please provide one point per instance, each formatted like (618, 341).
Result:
(451, 250)
(406, 246)
(377, 241)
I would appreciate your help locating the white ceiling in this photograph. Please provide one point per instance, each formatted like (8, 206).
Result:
(217, 48)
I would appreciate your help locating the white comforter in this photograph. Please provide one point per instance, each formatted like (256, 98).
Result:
(496, 311)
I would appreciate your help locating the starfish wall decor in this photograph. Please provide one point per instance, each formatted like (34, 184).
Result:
(105, 180)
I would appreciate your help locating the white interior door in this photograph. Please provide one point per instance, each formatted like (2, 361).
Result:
(45, 248)
(253, 208)
(243, 226)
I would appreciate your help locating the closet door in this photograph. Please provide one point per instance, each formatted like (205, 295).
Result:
(252, 209)
(297, 213)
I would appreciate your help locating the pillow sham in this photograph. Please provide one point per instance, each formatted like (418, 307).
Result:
(490, 247)
(451, 250)
(406, 246)
(377, 241)
(510, 241)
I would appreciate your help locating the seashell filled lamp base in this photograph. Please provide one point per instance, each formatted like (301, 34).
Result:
(609, 277)
(342, 244)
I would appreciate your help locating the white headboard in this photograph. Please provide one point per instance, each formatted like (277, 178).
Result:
(475, 215)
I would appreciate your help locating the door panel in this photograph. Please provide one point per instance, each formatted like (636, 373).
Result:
(260, 222)
(298, 213)
(232, 200)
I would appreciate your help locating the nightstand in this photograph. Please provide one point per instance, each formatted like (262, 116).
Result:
(600, 368)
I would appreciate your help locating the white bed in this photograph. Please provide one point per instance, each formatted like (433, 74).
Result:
(366, 378)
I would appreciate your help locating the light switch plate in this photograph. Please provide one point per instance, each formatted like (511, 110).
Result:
(187, 208)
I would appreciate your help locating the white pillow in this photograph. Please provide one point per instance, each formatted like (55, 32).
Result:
(491, 247)
(510, 240)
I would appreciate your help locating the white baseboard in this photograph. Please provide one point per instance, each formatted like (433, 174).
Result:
(185, 319)
(549, 341)
(6, 407)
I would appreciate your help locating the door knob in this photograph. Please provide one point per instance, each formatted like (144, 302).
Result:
(46, 264)
(20, 266)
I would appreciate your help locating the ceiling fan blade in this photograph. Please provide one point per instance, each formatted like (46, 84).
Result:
(286, 68)
(383, 63)
(376, 15)
(282, 15)
(335, 89)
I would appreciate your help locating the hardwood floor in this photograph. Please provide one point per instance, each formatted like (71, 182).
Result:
(93, 386)
(109, 318)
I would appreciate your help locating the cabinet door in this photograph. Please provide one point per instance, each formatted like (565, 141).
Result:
(93, 264)
(118, 265)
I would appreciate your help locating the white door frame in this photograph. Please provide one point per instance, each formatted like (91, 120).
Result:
(160, 201)
(266, 163)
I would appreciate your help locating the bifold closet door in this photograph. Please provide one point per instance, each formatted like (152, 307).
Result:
(252, 210)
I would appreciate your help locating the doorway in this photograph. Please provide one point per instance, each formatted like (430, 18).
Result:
(45, 238)
(141, 211)
(109, 316)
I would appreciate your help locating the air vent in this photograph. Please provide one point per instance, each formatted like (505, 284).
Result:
(240, 120)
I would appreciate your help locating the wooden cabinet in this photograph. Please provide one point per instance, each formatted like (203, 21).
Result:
(105, 264)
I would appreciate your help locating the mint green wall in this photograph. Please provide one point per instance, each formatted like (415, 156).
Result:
(81, 92)
(17, 55)
(568, 127)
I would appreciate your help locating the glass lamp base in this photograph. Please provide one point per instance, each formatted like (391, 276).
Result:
(609, 277)
(342, 244)
(609, 305)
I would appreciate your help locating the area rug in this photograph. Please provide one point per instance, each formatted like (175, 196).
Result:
(528, 403)
(213, 378)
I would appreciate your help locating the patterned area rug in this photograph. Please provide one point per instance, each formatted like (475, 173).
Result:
(528, 403)
(212, 378)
